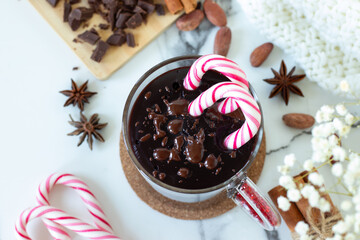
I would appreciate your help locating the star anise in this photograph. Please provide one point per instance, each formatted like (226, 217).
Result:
(285, 82)
(77, 95)
(87, 128)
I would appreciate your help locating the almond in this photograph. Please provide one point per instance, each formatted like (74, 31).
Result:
(260, 54)
(189, 22)
(298, 120)
(214, 13)
(222, 41)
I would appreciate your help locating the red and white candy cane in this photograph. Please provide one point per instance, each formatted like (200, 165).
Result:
(57, 220)
(218, 63)
(235, 97)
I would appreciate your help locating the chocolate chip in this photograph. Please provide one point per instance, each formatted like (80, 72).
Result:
(137, 124)
(90, 36)
(116, 39)
(134, 21)
(157, 108)
(161, 154)
(164, 141)
(145, 138)
(162, 176)
(148, 7)
(211, 162)
(121, 20)
(67, 10)
(75, 68)
(53, 2)
(113, 7)
(160, 9)
(81, 13)
(155, 173)
(183, 172)
(130, 40)
(138, 9)
(74, 23)
(175, 126)
(99, 51)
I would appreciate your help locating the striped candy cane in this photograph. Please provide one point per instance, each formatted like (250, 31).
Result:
(57, 220)
(235, 97)
(214, 62)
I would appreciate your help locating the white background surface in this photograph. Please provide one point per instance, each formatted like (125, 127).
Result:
(35, 64)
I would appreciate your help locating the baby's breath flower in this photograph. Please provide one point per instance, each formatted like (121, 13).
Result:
(287, 182)
(327, 109)
(319, 157)
(314, 199)
(344, 86)
(349, 119)
(293, 195)
(283, 203)
(346, 205)
(340, 227)
(289, 160)
(284, 170)
(316, 179)
(324, 205)
(339, 153)
(301, 228)
(335, 237)
(337, 169)
(307, 190)
(350, 236)
(341, 109)
(333, 140)
(308, 165)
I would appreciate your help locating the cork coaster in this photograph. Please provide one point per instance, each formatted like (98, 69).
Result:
(210, 208)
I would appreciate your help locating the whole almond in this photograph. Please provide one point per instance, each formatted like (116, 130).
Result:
(222, 41)
(298, 120)
(260, 54)
(189, 22)
(214, 13)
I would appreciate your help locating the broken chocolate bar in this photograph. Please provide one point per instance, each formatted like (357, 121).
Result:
(130, 2)
(99, 51)
(67, 10)
(134, 21)
(117, 39)
(148, 7)
(121, 21)
(130, 40)
(82, 13)
(53, 2)
(90, 36)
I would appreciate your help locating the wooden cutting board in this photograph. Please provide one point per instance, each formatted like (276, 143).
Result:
(115, 57)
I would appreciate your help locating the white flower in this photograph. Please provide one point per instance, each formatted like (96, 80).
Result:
(320, 144)
(335, 237)
(316, 179)
(323, 130)
(337, 169)
(324, 205)
(344, 86)
(307, 190)
(287, 182)
(346, 205)
(319, 157)
(308, 165)
(349, 119)
(305, 237)
(289, 160)
(340, 227)
(350, 236)
(356, 199)
(338, 124)
(283, 169)
(301, 228)
(339, 153)
(283, 203)
(354, 157)
(314, 199)
(327, 109)
(333, 140)
(293, 195)
(341, 109)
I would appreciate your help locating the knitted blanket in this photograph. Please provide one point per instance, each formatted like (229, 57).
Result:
(323, 36)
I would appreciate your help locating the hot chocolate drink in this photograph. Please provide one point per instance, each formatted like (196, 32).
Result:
(181, 150)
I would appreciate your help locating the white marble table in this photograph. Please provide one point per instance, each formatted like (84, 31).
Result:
(35, 64)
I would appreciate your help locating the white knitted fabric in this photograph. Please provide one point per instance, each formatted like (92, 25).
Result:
(323, 36)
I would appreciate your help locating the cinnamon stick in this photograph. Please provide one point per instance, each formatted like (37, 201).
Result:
(189, 5)
(174, 6)
(293, 215)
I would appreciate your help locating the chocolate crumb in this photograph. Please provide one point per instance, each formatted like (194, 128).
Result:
(211, 134)
(99, 51)
(180, 181)
(167, 88)
(211, 162)
(162, 176)
(183, 172)
(130, 40)
(233, 170)
(155, 173)
(147, 95)
(140, 131)
(145, 138)
(137, 124)
(75, 68)
(157, 108)
(218, 171)
(164, 141)
(233, 154)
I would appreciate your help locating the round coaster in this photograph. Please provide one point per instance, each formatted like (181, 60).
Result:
(188, 211)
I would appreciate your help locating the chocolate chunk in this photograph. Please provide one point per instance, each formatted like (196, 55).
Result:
(130, 2)
(178, 143)
(138, 9)
(160, 11)
(183, 172)
(74, 23)
(148, 7)
(175, 126)
(113, 8)
(164, 141)
(162, 176)
(74, 1)
(174, 155)
(177, 107)
(53, 2)
(67, 10)
(99, 51)
(157, 108)
(155, 173)
(130, 40)
(161, 154)
(103, 26)
(81, 13)
(213, 114)
(158, 119)
(137, 124)
(211, 161)
(194, 149)
(116, 39)
(134, 21)
(90, 36)
(145, 138)
(121, 20)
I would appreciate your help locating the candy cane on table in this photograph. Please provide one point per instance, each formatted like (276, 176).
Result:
(225, 66)
(235, 97)
(56, 219)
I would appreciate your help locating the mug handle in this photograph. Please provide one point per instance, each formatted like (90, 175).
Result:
(246, 194)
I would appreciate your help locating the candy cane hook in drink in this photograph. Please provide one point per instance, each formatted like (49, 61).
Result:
(235, 94)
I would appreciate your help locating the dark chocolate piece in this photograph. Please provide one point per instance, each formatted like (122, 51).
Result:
(104, 26)
(90, 36)
(130, 2)
(162, 176)
(175, 126)
(81, 13)
(194, 150)
(211, 161)
(116, 39)
(183, 172)
(138, 9)
(74, 1)
(99, 51)
(160, 10)
(74, 23)
(53, 2)
(178, 143)
(158, 120)
(134, 21)
(67, 10)
(121, 20)
(75, 68)
(177, 107)
(148, 7)
(130, 40)
(164, 141)
(145, 138)
(113, 7)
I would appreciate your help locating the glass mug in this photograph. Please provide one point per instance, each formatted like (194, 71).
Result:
(239, 187)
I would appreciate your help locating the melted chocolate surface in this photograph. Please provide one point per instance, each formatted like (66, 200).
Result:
(178, 149)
